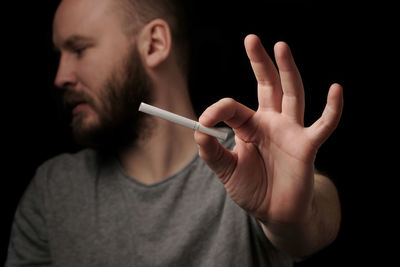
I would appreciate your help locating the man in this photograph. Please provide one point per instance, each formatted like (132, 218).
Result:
(141, 196)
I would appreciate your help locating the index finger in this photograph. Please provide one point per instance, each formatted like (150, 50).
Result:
(231, 112)
(269, 87)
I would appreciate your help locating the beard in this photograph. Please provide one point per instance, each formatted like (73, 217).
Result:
(119, 124)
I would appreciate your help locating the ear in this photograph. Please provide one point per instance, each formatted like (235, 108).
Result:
(154, 42)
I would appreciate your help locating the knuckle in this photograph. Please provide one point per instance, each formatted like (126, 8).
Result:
(227, 101)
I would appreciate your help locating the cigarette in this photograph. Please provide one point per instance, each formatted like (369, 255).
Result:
(172, 117)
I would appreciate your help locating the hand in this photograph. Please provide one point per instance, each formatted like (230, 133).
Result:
(270, 172)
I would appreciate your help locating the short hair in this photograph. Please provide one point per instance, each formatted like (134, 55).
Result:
(137, 13)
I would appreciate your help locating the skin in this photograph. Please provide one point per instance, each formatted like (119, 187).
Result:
(80, 42)
(170, 147)
(270, 172)
(274, 152)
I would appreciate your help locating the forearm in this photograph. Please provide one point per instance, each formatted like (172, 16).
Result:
(321, 229)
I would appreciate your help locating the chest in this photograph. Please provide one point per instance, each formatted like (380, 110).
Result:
(115, 224)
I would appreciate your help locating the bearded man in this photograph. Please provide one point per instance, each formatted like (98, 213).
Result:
(147, 192)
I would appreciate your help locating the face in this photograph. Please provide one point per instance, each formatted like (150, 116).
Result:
(101, 73)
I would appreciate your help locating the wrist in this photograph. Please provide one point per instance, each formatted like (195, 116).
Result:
(296, 238)
(314, 229)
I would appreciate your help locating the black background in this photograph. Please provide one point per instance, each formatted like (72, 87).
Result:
(321, 38)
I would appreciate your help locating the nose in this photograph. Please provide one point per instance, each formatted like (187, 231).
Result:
(66, 75)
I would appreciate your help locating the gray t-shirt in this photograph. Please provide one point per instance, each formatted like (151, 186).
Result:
(83, 210)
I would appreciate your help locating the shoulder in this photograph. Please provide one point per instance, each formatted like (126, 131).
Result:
(55, 179)
(67, 173)
(68, 162)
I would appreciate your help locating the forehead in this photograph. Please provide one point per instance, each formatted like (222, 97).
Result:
(82, 17)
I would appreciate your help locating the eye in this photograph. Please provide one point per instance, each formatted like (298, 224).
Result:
(77, 46)
(79, 50)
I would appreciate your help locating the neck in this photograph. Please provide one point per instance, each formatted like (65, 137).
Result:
(169, 147)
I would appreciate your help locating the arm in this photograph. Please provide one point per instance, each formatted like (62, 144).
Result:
(29, 241)
(270, 172)
(318, 231)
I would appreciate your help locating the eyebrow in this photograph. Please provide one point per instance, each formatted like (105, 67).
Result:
(72, 41)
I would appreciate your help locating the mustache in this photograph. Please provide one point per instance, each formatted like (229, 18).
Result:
(72, 98)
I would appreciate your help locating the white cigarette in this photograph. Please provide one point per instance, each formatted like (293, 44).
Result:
(172, 117)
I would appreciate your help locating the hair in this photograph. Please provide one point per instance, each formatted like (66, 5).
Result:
(137, 13)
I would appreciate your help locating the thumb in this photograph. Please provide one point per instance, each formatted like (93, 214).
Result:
(218, 158)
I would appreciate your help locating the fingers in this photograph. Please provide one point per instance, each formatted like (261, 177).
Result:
(269, 89)
(283, 91)
(218, 158)
(292, 85)
(234, 114)
(324, 126)
(237, 116)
